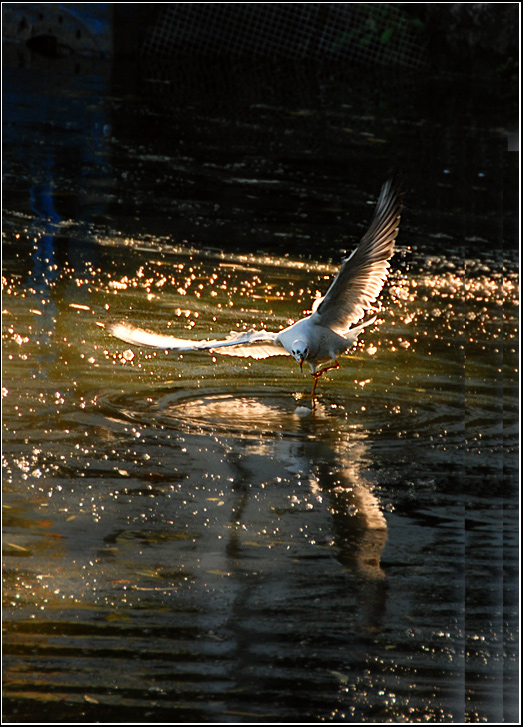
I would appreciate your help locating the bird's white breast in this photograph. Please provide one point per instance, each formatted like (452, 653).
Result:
(323, 343)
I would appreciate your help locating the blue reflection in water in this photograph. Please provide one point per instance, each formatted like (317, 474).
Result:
(42, 203)
(52, 139)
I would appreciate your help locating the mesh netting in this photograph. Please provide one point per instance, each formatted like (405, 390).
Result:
(376, 33)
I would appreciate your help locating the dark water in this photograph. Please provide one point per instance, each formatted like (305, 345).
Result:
(184, 539)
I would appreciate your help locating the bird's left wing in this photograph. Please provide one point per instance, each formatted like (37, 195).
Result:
(254, 344)
(362, 274)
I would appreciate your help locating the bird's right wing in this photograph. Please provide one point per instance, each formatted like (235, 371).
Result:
(254, 344)
(362, 274)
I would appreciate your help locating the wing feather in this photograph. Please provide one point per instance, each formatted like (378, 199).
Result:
(256, 344)
(261, 350)
(363, 273)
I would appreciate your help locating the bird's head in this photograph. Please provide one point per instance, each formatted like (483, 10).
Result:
(300, 352)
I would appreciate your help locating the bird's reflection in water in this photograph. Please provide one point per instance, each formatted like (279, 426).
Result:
(269, 436)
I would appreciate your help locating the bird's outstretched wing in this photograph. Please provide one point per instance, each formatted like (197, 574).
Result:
(362, 274)
(254, 344)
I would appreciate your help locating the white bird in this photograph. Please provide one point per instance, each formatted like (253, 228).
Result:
(334, 324)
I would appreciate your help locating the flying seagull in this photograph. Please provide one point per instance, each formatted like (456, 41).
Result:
(336, 320)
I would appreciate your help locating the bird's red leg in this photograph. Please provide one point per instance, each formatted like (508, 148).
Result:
(334, 365)
(317, 375)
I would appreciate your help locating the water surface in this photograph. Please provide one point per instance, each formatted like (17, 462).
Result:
(185, 539)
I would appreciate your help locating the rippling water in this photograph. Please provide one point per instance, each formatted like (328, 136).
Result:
(185, 539)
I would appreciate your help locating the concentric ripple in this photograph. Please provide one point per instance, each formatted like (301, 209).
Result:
(246, 413)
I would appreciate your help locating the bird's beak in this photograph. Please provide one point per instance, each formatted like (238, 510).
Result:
(301, 363)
